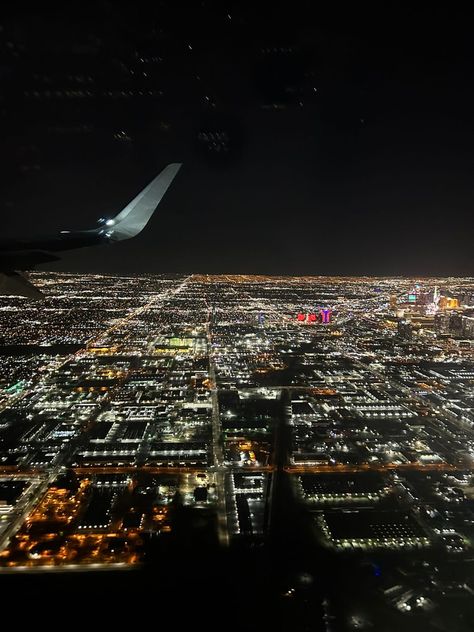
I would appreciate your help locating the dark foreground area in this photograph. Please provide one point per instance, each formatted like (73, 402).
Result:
(286, 583)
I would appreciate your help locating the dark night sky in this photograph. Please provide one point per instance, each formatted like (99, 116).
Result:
(372, 173)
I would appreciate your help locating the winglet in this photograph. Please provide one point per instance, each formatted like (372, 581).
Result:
(135, 216)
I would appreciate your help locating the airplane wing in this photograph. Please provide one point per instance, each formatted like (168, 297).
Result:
(14, 283)
(129, 222)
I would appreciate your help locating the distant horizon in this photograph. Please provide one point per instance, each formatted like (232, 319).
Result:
(257, 274)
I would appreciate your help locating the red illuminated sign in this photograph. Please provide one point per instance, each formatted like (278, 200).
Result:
(323, 316)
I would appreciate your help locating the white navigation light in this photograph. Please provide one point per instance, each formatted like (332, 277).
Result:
(110, 222)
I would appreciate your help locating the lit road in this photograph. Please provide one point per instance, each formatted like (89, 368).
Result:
(25, 506)
(371, 467)
(217, 446)
(68, 568)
